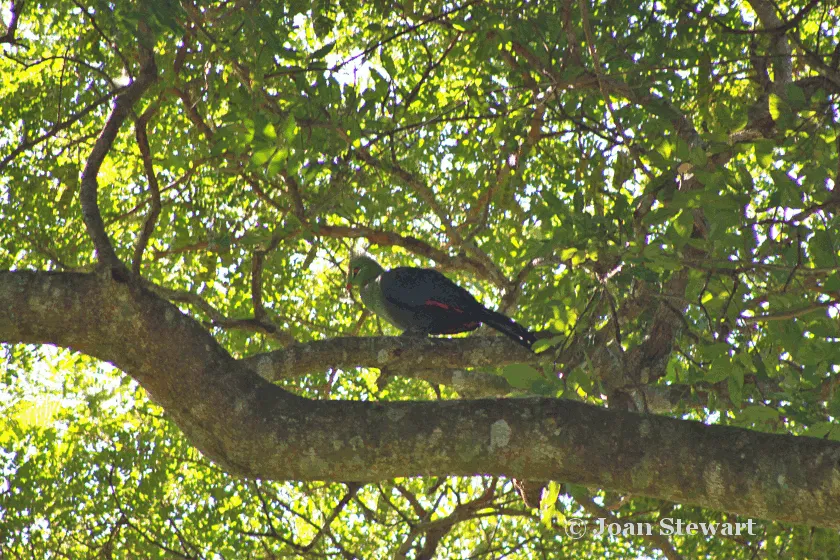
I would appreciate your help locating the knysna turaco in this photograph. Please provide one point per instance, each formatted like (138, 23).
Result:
(423, 301)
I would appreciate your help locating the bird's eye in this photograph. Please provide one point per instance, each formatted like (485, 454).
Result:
(355, 271)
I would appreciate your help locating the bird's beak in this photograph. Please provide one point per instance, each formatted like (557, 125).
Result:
(349, 287)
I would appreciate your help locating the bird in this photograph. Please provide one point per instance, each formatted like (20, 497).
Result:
(422, 301)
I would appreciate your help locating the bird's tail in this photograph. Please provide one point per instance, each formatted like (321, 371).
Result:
(509, 327)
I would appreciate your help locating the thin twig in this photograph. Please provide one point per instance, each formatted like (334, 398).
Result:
(154, 189)
(9, 36)
(89, 184)
(56, 128)
(789, 314)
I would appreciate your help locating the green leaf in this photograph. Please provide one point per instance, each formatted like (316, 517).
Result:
(290, 129)
(548, 505)
(758, 413)
(711, 351)
(544, 344)
(698, 156)
(735, 385)
(521, 376)
(684, 224)
(659, 215)
(40, 413)
(788, 189)
(823, 249)
(821, 430)
(261, 157)
(764, 149)
(781, 111)
(795, 97)
(323, 51)
(720, 369)
(832, 283)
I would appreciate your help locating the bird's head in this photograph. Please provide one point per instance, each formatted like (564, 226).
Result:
(362, 270)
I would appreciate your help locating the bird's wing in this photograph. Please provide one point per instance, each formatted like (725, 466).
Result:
(413, 288)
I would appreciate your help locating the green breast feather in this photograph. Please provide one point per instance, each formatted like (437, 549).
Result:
(374, 300)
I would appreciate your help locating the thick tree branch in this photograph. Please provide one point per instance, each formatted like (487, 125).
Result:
(782, 53)
(256, 429)
(399, 355)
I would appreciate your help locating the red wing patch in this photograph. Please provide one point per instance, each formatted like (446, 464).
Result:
(443, 306)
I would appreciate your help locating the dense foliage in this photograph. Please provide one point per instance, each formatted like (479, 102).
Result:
(651, 186)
